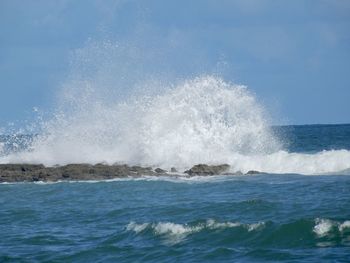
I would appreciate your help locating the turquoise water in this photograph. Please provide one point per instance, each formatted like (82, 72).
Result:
(246, 218)
(269, 217)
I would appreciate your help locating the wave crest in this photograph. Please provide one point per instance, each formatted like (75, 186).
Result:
(175, 232)
(324, 227)
(320, 232)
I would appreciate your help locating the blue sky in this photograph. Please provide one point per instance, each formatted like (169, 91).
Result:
(295, 55)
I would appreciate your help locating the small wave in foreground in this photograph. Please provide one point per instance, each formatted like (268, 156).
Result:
(323, 232)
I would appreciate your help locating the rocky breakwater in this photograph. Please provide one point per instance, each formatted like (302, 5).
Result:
(70, 172)
(210, 170)
(85, 172)
(204, 169)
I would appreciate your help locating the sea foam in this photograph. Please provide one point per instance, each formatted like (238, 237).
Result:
(175, 232)
(324, 227)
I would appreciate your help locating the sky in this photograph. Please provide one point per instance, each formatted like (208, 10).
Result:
(294, 55)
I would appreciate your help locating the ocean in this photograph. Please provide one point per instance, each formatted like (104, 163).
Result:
(247, 218)
(297, 209)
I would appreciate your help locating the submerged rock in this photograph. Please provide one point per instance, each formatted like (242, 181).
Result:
(204, 169)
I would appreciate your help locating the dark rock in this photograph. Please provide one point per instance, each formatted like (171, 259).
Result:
(204, 169)
(137, 169)
(251, 172)
(233, 173)
(21, 167)
(173, 170)
(160, 171)
(74, 172)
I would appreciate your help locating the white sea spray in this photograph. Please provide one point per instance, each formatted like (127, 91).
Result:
(110, 110)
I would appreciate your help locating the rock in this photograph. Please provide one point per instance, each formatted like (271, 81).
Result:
(21, 167)
(173, 170)
(204, 169)
(30, 173)
(137, 169)
(75, 172)
(233, 173)
(251, 172)
(160, 171)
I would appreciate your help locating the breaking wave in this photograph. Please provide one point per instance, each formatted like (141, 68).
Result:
(113, 109)
(322, 232)
(176, 233)
(325, 227)
(203, 120)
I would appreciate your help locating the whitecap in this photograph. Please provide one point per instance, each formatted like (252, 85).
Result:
(137, 228)
(322, 227)
(344, 226)
(176, 232)
(255, 226)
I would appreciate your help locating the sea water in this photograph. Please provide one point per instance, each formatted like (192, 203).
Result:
(259, 218)
(296, 211)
